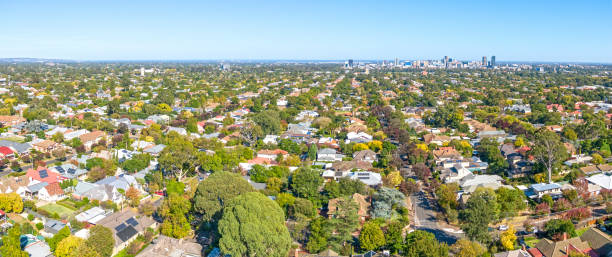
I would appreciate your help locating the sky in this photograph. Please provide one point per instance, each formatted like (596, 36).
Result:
(534, 30)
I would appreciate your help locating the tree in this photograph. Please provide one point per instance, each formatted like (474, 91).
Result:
(67, 246)
(481, 209)
(215, 191)
(133, 195)
(548, 150)
(178, 157)
(384, 201)
(312, 152)
(344, 223)
(174, 210)
(556, 227)
(306, 182)
(101, 240)
(422, 171)
(393, 236)
(421, 243)
(253, 225)
(319, 232)
(250, 133)
(269, 121)
(371, 236)
(467, 248)
(11, 246)
(85, 250)
(510, 201)
(61, 234)
(508, 238)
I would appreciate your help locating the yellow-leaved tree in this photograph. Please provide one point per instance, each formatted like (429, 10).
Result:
(508, 238)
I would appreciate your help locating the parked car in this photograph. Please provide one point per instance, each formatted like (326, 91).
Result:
(503, 227)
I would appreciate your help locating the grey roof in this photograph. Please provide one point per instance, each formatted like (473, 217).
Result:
(19, 147)
(545, 186)
(54, 226)
(68, 170)
(82, 187)
(155, 149)
(123, 181)
(37, 187)
(327, 151)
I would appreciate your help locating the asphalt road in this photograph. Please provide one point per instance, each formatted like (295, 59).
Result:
(425, 219)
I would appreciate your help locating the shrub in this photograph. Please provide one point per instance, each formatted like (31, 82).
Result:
(578, 214)
(30, 217)
(39, 226)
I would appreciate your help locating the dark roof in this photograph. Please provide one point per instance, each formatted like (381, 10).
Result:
(127, 233)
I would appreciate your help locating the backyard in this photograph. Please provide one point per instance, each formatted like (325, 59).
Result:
(62, 211)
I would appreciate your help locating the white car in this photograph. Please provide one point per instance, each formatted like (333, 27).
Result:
(503, 227)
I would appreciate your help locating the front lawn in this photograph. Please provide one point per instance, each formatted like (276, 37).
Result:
(62, 211)
(531, 241)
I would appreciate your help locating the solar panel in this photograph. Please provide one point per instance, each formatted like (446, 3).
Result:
(60, 169)
(132, 222)
(120, 227)
(43, 174)
(71, 171)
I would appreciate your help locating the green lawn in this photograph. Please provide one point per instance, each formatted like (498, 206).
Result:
(531, 241)
(62, 211)
(581, 231)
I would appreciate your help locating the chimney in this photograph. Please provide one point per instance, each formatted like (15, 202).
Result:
(297, 252)
(564, 236)
(524, 248)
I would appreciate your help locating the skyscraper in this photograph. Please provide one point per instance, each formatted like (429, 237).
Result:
(446, 61)
(350, 63)
(484, 61)
(493, 61)
(396, 62)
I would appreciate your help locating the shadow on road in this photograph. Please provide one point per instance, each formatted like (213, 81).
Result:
(441, 235)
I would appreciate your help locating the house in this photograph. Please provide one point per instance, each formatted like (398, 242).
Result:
(18, 185)
(455, 173)
(91, 138)
(446, 153)
(155, 150)
(329, 155)
(180, 131)
(101, 193)
(19, 148)
(46, 146)
(9, 121)
(592, 243)
(351, 165)
(359, 199)
(92, 216)
(35, 246)
(369, 178)
(6, 153)
(164, 246)
(542, 189)
(436, 139)
(42, 174)
(126, 225)
(51, 192)
(53, 226)
(360, 137)
(123, 181)
(599, 181)
(514, 253)
(270, 139)
(365, 155)
(70, 171)
(470, 183)
(272, 154)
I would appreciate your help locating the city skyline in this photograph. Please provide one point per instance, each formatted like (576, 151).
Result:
(562, 31)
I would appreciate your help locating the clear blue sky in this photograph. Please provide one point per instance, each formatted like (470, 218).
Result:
(535, 30)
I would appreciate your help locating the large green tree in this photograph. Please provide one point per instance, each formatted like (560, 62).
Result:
(253, 225)
(178, 157)
(306, 182)
(175, 210)
(421, 243)
(215, 191)
(371, 236)
(548, 150)
(101, 240)
(481, 209)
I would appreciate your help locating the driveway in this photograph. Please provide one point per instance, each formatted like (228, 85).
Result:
(425, 219)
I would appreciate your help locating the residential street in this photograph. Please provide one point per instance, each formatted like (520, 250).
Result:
(425, 219)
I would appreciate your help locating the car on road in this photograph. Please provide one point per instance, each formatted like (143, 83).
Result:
(503, 227)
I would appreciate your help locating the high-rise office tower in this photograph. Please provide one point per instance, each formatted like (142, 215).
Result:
(446, 61)
(493, 61)
(396, 62)
(484, 61)
(350, 63)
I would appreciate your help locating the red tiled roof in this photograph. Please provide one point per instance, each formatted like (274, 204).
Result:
(5, 150)
(52, 177)
(54, 189)
(535, 252)
(273, 152)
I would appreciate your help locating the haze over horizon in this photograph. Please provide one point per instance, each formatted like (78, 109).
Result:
(546, 31)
